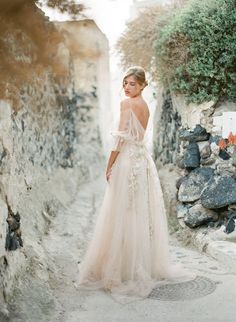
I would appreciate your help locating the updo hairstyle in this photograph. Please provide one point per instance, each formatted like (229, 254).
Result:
(139, 74)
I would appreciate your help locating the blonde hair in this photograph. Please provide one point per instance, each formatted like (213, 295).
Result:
(139, 73)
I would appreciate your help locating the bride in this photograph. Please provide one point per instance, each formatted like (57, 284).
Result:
(129, 251)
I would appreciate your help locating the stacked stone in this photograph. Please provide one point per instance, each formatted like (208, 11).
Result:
(166, 144)
(207, 191)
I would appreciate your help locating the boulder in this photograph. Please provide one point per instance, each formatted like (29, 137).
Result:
(195, 135)
(182, 210)
(224, 155)
(209, 161)
(220, 191)
(232, 207)
(198, 215)
(226, 168)
(215, 148)
(191, 157)
(191, 188)
(214, 138)
(230, 225)
(180, 180)
(204, 149)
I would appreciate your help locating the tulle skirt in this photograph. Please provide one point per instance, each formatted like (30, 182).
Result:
(129, 252)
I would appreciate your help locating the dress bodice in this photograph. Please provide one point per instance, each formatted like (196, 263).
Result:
(130, 130)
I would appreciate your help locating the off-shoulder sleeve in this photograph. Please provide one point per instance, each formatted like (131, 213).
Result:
(122, 132)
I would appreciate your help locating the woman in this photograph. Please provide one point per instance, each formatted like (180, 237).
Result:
(129, 252)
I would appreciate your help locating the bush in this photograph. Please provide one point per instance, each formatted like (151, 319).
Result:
(196, 51)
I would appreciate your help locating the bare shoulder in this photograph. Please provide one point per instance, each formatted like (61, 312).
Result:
(141, 107)
(125, 104)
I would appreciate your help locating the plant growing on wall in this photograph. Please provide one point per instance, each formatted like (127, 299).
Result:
(196, 51)
(190, 48)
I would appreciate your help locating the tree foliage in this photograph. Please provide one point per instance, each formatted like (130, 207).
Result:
(196, 51)
(190, 48)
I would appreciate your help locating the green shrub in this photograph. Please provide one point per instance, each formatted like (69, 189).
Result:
(196, 51)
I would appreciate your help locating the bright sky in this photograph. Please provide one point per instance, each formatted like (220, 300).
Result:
(110, 15)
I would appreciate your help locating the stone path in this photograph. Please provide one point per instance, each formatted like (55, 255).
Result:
(210, 297)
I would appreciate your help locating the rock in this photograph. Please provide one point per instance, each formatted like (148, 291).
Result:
(198, 134)
(181, 222)
(180, 180)
(210, 224)
(166, 137)
(229, 228)
(227, 214)
(226, 168)
(205, 152)
(198, 215)
(230, 225)
(209, 161)
(224, 155)
(231, 149)
(191, 157)
(220, 191)
(214, 139)
(215, 148)
(191, 188)
(3, 154)
(234, 158)
(232, 207)
(182, 210)
(207, 158)
(204, 148)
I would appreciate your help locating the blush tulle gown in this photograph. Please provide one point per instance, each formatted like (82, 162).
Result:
(129, 253)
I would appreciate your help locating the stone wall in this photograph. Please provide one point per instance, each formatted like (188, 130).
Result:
(90, 68)
(167, 122)
(186, 142)
(49, 145)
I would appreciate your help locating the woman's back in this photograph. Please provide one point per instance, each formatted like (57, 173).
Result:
(141, 110)
(133, 122)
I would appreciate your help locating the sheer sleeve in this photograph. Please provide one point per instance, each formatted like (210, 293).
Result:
(123, 129)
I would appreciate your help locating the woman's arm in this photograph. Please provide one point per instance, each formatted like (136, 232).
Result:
(119, 141)
(112, 158)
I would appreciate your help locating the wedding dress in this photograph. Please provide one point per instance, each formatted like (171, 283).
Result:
(129, 251)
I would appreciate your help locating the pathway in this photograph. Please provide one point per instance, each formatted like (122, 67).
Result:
(210, 297)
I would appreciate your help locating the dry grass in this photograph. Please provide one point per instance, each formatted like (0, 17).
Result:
(137, 44)
(176, 54)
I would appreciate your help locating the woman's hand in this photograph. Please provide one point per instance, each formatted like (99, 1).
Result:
(108, 173)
